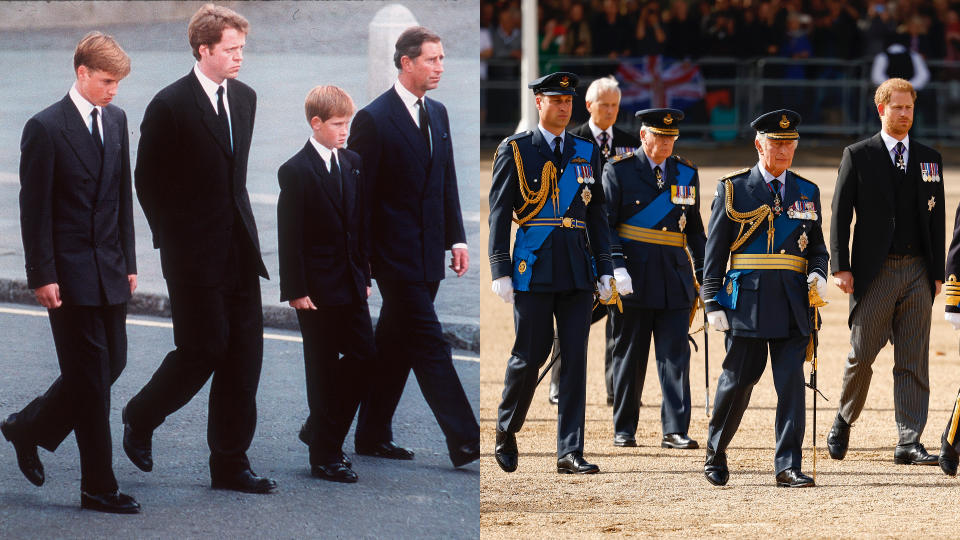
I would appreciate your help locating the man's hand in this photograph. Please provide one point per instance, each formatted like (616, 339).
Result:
(603, 286)
(369, 291)
(844, 280)
(503, 286)
(132, 280)
(718, 320)
(939, 286)
(460, 261)
(306, 303)
(953, 319)
(48, 296)
(624, 281)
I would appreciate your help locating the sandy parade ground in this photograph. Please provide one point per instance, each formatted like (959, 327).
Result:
(649, 491)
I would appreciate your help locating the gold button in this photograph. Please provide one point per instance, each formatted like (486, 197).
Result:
(664, 228)
(638, 202)
(782, 251)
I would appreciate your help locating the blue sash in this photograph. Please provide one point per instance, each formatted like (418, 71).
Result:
(528, 241)
(661, 206)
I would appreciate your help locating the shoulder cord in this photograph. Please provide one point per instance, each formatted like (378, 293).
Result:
(548, 187)
(753, 218)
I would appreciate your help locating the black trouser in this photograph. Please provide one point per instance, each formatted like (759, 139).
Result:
(91, 344)
(534, 315)
(218, 331)
(333, 383)
(599, 312)
(409, 336)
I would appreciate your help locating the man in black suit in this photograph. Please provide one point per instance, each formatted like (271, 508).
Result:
(895, 186)
(76, 216)
(603, 102)
(191, 181)
(404, 140)
(323, 221)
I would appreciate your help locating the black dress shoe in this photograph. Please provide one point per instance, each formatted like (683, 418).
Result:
(678, 440)
(793, 478)
(346, 461)
(114, 503)
(624, 439)
(573, 463)
(949, 458)
(246, 481)
(505, 451)
(839, 438)
(715, 468)
(27, 458)
(389, 450)
(913, 454)
(467, 453)
(138, 446)
(334, 472)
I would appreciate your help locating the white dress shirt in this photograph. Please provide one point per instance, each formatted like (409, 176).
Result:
(595, 129)
(324, 152)
(210, 89)
(890, 142)
(86, 108)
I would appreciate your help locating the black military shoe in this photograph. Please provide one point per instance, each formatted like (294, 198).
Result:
(27, 458)
(715, 468)
(839, 438)
(389, 450)
(464, 454)
(793, 478)
(678, 440)
(948, 459)
(334, 472)
(913, 454)
(506, 451)
(113, 503)
(573, 463)
(138, 446)
(624, 439)
(245, 481)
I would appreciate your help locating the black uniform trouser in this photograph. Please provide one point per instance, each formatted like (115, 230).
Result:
(599, 312)
(91, 343)
(334, 383)
(742, 367)
(409, 336)
(630, 332)
(534, 315)
(218, 331)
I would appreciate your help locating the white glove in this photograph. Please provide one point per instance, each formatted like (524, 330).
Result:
(604, 287)
(624, 282)
(953, 318)
(821, 283)
(718, 320)
(503, 286)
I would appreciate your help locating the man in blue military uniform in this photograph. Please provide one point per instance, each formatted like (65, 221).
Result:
(547, 178)
(653, 206)
(767, 222)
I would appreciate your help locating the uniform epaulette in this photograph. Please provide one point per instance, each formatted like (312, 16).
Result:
(581, 137)
(802, 179)
(620, 157)
(507, 140)
(684, 160)
(735, 173)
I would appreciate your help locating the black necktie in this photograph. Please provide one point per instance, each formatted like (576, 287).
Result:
(899, 149)
(222, 115)
(95, 131)
(557, 154)
(603, 143)
(424, 123)
(335, 173)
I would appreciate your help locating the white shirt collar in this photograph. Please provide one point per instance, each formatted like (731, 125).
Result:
(595, 129)
(84, 106)
(768, 177)
(549, 137)
(409, 101)
(324, 152)
(210, 87)
(890, 142)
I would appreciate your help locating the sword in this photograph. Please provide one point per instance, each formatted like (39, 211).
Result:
(815, 303)
(706, 365)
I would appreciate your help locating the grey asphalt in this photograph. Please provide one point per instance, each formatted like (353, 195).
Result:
(425, 498)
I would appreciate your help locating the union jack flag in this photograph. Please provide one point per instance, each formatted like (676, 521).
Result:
(657, 82)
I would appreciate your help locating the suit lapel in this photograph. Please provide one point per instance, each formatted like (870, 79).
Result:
(324, 178)
(543, 146)
(791, 190)
(438, 133)
(78, 137)
(209, 115)
(238, 117)
(349, 174)
(111, 141)
(404, 123)
(569, 148)
(646, 172)
(884, 169)
(757, 186)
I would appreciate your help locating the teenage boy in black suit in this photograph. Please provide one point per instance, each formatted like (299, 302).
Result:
(323, 224)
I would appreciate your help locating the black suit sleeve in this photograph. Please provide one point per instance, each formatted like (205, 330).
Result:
(155, 154)
(127, 236)
(366, 243)
(696, 239)
(598, 226)
(844, 198)
(36, 204)
(612, 194)
(452, 219)
(716, 250)
(502, 193)
(293, 273)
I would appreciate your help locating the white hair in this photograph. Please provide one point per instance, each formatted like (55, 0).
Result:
(601, 86)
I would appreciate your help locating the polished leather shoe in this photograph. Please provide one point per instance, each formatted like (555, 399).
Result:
(839, 438)
(679, 441)
(573, 463)
(27, 458)
(138, 446)
(113, 503)
(624, 439)
(334, 472)
(793, 478)
(949, 459)
(467, 453)
(346, 461)
(246, 481)
(715, 468)
(505, 451)
(389, 450)
(913, 454)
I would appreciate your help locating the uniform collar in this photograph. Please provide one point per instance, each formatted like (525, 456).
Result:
(549, 137)
(767, 177)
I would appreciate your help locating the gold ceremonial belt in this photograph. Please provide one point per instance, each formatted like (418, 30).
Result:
(952, 290)
(565, 223)
(768, 261)
(651, 236)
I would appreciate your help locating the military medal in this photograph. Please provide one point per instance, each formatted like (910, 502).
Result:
(586, 195)
(683, 221)
(931, 203)
(659, 175)
(803, 241)
(776, 204)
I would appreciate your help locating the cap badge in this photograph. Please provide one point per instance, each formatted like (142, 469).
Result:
(564, 81)
(784, 123)
(667, 120)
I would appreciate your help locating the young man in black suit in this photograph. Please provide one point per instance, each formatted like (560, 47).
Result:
(324, 243)
(895, 186)
(404, 140)
(191, 179)
(76, 215)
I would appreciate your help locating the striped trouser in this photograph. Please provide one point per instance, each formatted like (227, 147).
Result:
(896, 307)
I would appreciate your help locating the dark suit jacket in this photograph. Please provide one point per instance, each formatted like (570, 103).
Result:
(564, 259)
(323, 239)
(190, 185)
(865, 184)
(414, 202)
(621, 138)
(76, 211)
